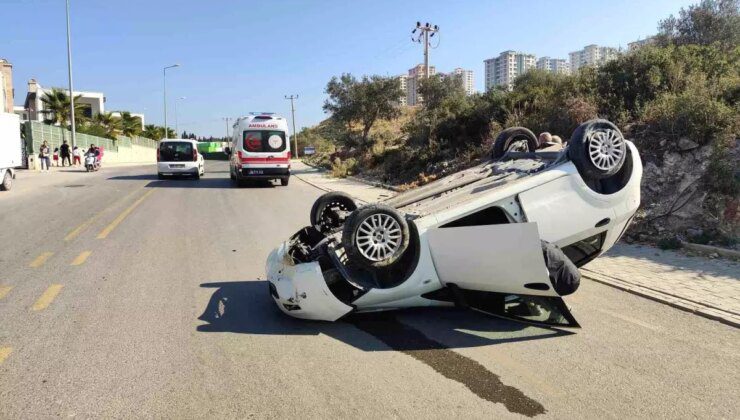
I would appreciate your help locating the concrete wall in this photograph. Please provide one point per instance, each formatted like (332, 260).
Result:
(121, 150)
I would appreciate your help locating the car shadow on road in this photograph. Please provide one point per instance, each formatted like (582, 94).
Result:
(189, 182)
(246, 307)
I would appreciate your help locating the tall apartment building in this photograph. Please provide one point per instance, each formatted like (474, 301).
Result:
(553, 65)
(592, 55)
(416, 74)
(502, 70)
(466, 76)
(404, 81)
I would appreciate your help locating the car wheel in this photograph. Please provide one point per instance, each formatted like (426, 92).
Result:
(7, 182)
(324, 210)
(232, 175)
(197, 175)
(375, 236)
(160, 176)
(284, 181)
(597, 149)
(514, 139)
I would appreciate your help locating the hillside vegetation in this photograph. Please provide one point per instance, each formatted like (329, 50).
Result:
(676, 99)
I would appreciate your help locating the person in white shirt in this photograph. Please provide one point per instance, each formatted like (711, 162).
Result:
(77, 154)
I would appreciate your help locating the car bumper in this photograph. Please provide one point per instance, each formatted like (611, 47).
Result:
(264, 173)
(177, 168)
(300, 290)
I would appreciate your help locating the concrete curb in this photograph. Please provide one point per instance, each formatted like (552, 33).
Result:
(709, 249)
(696, 308)
(357, 179)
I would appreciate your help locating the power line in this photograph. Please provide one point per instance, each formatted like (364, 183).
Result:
(292, 111)
(425, 32)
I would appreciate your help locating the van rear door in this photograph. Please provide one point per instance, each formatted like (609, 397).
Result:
(176, 151)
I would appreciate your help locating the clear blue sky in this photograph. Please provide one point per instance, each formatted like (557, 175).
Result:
(241, 56)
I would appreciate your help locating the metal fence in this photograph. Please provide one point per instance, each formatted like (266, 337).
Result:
(37, 133)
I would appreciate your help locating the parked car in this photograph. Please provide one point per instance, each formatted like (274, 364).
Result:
(178, 157)
(260, 149)
(504, 237)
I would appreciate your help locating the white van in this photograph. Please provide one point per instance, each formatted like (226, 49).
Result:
(260, 149)
(179, 157)
(10, 149)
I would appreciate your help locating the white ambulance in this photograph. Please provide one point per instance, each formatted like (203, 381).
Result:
(260, 149)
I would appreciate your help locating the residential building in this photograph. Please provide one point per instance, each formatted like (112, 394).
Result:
(94, 102)
(592, 55)
(504, 69)
(6, 86)
(21, 112)
(416, 74)
(466, 76)
(553, 65)
(640, 43)
(133, 114)
(403, 100)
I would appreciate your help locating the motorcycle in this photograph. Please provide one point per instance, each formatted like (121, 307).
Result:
(91, 162)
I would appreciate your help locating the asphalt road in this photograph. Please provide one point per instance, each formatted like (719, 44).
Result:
(125, 296)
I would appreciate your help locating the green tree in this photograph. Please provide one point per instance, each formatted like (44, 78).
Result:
(151, 132)
(362, 102)
(57, 105)
(703, 24)
(110, 123)
(130, 125)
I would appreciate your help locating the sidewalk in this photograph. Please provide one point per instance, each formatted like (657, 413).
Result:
(706, 287)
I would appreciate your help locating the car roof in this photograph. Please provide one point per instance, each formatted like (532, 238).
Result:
(178, 140)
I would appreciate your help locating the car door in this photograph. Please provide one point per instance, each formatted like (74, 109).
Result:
(498, 269)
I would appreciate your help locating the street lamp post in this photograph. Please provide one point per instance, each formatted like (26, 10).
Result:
(71, 90)
(164, 84)
(177, 130)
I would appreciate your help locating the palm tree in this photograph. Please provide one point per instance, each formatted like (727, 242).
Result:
(57, 107)
(130, 125)
(151, 132)
(111, 124)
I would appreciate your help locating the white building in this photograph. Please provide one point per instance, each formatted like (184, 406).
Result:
(403, 100)
(592, 55)
(416, 74)
(553, 65)
(6, 86)
(504, 69)
(94, 102)
(466, 76)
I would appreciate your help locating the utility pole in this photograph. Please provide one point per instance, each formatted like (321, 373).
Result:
(164, 84)
(426, 31)
(227, 127)
(292, 111)
(71, 90)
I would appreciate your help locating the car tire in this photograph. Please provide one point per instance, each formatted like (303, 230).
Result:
(7, 183)
(512, 139)
(598, 150)
(334, 199)
(196, 175)
(375, 237)
(160, 176)
(232, 175)
(284, 181)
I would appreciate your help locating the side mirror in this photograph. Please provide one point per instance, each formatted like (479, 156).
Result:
(227, 150)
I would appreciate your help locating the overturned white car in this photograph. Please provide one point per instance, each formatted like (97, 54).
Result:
(504, 237)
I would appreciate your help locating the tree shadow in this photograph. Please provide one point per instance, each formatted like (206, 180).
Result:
(246, 307)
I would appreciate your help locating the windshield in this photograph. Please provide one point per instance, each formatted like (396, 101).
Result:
(176, 151)
(256, 141)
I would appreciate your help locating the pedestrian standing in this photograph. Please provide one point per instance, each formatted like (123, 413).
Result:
(44, 155)
(77, 153)
(56, 156)
(64, 153)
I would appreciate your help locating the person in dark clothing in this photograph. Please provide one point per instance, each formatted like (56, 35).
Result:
(64, 153)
